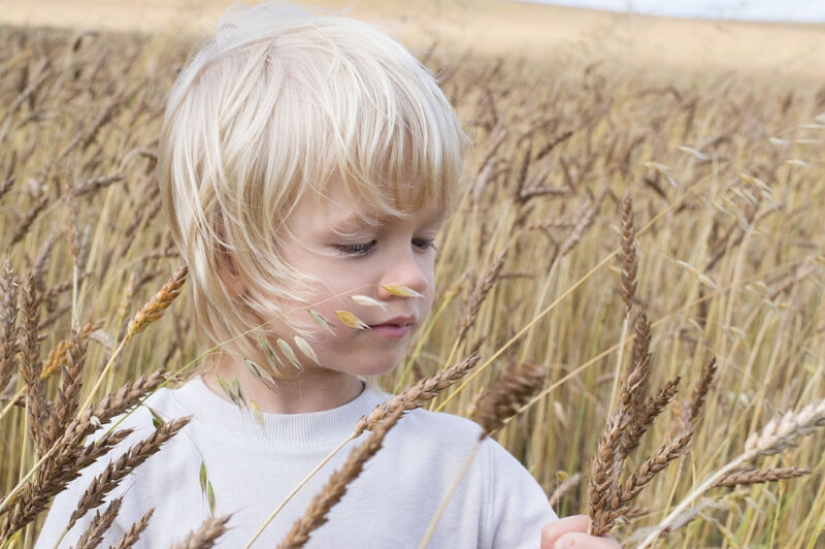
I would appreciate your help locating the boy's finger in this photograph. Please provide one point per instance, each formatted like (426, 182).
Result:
(555, 530)
(577, 539)
(572, 532)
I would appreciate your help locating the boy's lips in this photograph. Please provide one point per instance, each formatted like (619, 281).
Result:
(394, 328)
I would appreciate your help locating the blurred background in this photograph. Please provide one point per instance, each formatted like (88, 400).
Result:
(778, 40)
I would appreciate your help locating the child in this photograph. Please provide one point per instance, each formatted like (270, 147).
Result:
(305, 160)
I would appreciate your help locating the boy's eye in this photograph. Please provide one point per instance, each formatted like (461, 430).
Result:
(424, 243)
(356, 249)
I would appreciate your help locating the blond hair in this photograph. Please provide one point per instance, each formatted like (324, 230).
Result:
(278, 103)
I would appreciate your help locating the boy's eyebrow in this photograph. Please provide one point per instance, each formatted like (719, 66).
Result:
(354, 222)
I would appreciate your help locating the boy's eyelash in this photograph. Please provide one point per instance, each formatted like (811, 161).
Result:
(357, 250)
(364, 248)
(424, 243)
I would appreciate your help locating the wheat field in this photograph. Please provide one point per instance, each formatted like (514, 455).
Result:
(593, 194)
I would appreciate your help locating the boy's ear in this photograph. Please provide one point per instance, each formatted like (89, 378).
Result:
(230, 278)
(233, 284)
(228, 270)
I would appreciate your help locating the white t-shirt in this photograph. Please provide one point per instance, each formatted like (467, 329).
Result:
(252, 468)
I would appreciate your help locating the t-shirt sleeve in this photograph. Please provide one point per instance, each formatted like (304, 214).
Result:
(518, 507)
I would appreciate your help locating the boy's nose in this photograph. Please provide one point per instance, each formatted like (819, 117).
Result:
(408, 271)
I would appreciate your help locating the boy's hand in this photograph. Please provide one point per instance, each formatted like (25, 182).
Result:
(572, 532)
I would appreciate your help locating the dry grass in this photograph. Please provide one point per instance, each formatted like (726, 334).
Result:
(722, 250)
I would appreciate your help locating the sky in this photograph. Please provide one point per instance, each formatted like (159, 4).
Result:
(803, 11)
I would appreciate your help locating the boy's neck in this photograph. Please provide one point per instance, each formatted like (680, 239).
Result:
(314, 390)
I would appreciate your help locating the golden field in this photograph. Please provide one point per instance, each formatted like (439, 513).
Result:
(714, 131)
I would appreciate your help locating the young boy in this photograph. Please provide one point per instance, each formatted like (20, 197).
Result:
(305, 160)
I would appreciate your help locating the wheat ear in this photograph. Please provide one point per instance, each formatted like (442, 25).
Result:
(414, 397)
(778, 435)
(206, 536)
(116, 471)
(68, 454)
(52, 474)
(8, 325)
(510, 392)
(335, 488)
(477, 297)
(101, 522)
(629, 264)
(132, 535)
(149, 313)
(564, 488)
(37, 406)
(752, 475)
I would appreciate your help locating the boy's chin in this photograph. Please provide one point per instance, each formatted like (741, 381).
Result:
(354, 370)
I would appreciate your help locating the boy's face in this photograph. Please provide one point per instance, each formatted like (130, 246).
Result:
(348, 257)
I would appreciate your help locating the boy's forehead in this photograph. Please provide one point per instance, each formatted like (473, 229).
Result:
(345, 207)
(342, 218)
